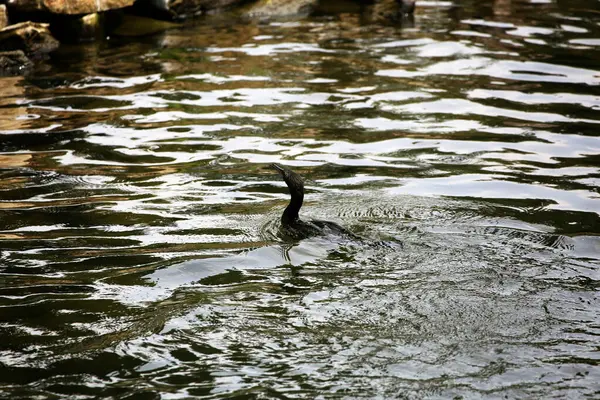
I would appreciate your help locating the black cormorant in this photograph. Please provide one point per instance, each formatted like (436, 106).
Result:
(291, 224)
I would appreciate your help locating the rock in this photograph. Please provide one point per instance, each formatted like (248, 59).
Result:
(32, 38)
(70, 7)
(280, 8)
(19, 42)
(186, 8)
(14, 62)
(3, 17)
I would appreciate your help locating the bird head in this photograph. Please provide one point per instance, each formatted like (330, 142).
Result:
(293, 181)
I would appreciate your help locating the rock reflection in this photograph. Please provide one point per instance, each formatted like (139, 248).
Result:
(502, 8)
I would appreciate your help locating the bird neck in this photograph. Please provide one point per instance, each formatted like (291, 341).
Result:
(290, 214)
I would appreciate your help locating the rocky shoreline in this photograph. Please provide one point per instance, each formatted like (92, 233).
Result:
(31, 29)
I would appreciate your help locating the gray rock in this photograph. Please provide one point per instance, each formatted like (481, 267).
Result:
(3, 17)
(32, 38)
(69, 7)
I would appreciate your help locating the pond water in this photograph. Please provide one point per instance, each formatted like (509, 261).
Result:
(138, 212)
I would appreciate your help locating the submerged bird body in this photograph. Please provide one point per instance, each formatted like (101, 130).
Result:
(291, 224)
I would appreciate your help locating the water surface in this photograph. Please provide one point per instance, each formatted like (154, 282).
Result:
(139, 250)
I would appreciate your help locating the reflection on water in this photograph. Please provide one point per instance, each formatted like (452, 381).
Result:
(137, 209)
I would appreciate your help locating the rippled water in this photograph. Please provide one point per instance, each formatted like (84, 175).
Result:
(138, 213)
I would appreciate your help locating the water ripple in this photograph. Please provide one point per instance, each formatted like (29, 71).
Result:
(139, 246)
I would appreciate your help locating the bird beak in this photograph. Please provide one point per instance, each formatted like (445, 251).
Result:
(278, 168)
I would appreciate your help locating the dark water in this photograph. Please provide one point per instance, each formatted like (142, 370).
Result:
(138, 214)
